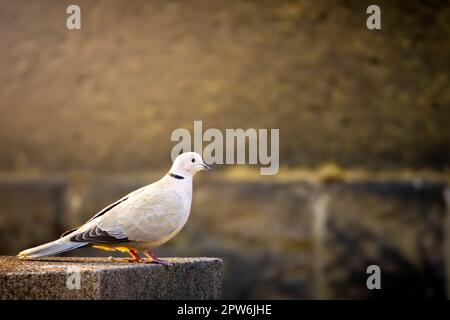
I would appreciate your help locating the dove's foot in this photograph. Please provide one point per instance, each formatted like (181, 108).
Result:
(162, 262)
(135, 257)
(152, 258)
(132, 260)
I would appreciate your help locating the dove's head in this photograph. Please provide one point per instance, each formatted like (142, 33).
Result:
(188, 164)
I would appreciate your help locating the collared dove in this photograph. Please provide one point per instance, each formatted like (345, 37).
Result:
(142, 220)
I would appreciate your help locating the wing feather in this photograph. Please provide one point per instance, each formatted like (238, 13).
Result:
(91, 231)
(96, 235)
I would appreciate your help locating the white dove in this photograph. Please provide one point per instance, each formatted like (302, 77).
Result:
(140, 221)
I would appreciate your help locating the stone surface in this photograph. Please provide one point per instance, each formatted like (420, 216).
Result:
(100, 278)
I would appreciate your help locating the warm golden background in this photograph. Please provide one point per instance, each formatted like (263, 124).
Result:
(364, 116)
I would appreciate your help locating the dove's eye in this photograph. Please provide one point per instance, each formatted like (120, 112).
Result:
(193, 160)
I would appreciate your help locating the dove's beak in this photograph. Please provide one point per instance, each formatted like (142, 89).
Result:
(206, 167)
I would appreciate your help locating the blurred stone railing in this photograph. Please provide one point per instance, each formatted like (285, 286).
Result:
(281, 239)
(399, 226)
(32, 211)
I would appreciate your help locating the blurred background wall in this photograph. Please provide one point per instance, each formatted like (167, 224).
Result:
(86, 116)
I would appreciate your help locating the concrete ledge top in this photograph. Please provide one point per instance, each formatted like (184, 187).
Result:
(102, 278)
(13, 265)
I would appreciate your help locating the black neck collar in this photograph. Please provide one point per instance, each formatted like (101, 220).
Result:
(173, 175)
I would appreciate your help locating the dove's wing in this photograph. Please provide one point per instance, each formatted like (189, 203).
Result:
(90, 232)
(151, 216)
(112, 205)
(148, 214)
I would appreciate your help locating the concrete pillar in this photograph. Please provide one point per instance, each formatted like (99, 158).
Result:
(99, 278)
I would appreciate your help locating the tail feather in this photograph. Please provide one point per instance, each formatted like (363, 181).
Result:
(51, 248)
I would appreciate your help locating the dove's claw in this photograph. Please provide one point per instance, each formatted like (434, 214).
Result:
(158, 261)
(163, 262)
(152, 258)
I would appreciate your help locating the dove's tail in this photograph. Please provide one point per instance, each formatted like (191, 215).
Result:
(51, 248)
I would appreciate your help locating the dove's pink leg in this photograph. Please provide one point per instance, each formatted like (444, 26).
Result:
(135, 255)
(153, 258)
